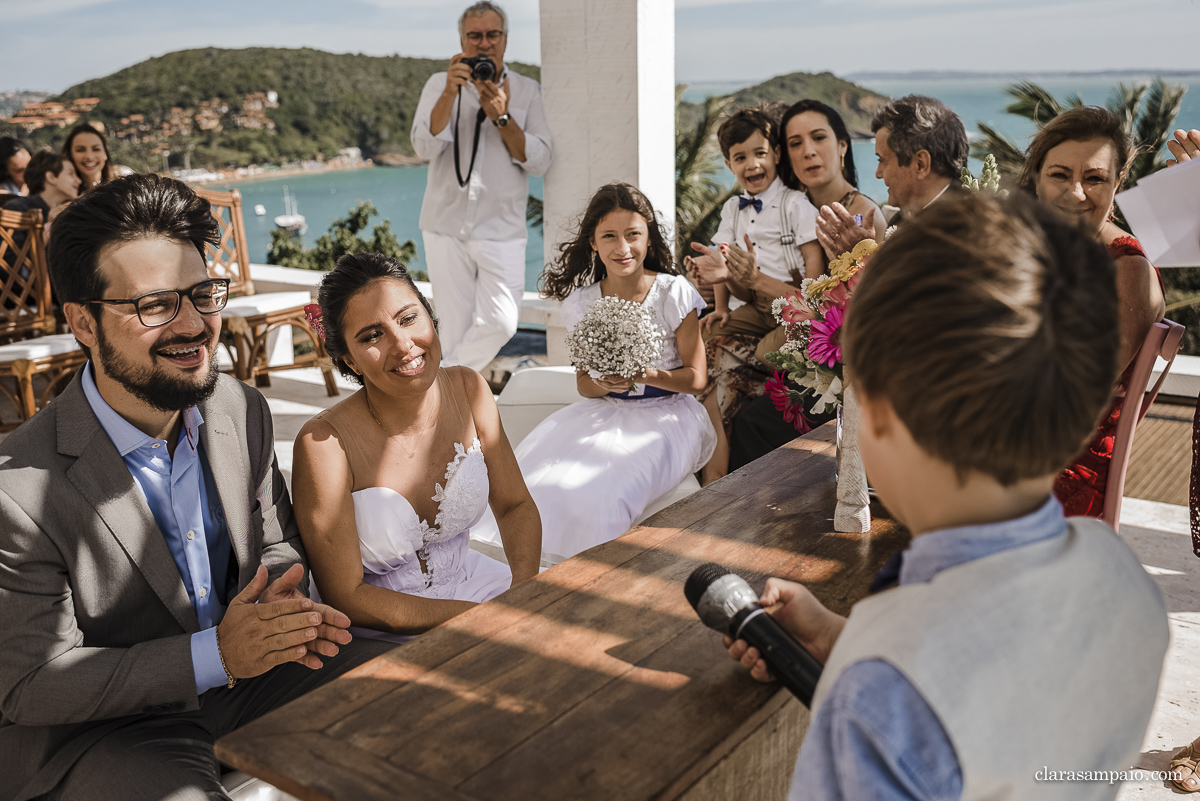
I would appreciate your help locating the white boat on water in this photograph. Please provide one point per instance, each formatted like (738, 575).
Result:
(260, 210)
(291, 220)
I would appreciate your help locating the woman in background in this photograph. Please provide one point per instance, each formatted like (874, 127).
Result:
(87, 149)
(818, 160)
(1077, 163)
(14, 157)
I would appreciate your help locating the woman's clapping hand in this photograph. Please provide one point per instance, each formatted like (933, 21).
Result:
(1184, 147)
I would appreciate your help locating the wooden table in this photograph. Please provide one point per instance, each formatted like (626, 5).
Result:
(596, 680)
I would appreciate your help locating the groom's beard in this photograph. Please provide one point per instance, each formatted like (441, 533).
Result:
(157, 389)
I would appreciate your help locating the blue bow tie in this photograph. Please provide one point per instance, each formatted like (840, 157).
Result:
(743, 202)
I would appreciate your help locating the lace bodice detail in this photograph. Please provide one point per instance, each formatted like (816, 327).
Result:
(670, 299)
(393, 539)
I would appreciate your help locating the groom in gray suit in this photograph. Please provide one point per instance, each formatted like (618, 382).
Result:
(152, 580)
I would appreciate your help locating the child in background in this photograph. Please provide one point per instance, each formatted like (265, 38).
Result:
(777, 226)
(594, 466)
(1006, 639)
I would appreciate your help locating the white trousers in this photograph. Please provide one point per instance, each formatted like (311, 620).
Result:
(477, 289)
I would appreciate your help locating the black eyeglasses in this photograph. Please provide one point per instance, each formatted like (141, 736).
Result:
(159, 308)
(475, 37)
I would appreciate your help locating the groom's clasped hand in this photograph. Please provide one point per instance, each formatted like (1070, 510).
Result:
(266, 626)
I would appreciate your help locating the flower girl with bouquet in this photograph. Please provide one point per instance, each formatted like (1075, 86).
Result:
(634, 337)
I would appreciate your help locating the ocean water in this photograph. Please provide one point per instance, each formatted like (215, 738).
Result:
(325, 197)
(979, 100)
(397, 191)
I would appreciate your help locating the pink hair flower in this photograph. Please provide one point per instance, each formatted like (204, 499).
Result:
(824, 346)
(312, 315)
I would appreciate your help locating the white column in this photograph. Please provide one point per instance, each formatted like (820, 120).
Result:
(608, 81)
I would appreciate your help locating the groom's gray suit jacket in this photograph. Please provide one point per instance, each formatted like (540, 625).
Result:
(95, 623)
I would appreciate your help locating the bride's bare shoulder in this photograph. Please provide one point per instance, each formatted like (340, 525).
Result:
(322, 428)
(467, 383)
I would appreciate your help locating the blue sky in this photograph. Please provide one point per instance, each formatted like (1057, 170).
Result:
(52, 44)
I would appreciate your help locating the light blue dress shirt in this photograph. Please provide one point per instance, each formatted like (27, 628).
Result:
(875, 736)
(182, 497)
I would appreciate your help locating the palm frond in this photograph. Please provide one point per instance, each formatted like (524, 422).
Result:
(1009, 157)
(1032, 102)
(535, 212)
(1124, 101)
(1153, 127)
(699, 194)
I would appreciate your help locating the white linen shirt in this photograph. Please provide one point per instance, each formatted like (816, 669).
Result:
(764, 228)
(492, 204)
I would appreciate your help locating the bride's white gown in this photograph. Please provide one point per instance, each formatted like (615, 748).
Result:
(393, 540)
(594, 466)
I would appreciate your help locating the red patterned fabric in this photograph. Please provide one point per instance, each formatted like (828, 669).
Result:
(1080, 488)
(1126, 246)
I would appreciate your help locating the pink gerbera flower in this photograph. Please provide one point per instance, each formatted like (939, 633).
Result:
(824, 346)
(781, 396)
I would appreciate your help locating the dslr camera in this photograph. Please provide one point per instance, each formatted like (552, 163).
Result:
(482, 68)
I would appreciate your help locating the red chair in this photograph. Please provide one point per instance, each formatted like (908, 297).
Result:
(1164, 340)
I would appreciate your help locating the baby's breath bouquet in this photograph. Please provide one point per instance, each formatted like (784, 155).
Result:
(615, 337)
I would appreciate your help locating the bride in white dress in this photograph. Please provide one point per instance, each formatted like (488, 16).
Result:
(594, 466)
(388, 483)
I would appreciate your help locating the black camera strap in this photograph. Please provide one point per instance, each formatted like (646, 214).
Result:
(479, 118)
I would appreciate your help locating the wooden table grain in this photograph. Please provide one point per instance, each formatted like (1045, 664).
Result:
(595, 680)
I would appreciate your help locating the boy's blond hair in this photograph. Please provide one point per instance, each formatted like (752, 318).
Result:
(991, 325)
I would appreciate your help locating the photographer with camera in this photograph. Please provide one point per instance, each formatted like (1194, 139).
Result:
(484, 132)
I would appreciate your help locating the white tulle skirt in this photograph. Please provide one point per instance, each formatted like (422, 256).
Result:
(594, 466)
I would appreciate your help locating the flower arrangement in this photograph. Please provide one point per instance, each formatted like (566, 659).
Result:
(989, 177)
(615, 337)
(812, 355)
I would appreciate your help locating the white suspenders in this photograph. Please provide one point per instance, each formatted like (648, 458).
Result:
(787, 237)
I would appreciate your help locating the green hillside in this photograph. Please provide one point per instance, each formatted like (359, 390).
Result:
(855, 103)
(327, 101)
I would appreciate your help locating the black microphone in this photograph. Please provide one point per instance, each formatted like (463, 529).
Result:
(725, 602)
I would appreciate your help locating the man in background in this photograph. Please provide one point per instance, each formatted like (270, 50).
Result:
(483, 129)
(922, 149)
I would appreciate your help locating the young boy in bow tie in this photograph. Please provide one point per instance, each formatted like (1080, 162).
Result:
(777, 227)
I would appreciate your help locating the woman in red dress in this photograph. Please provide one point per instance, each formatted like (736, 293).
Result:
(1077, 163)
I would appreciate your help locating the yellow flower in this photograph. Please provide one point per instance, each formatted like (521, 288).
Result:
(819, 287)
(842, 268)
(864, 248)
(847, 264)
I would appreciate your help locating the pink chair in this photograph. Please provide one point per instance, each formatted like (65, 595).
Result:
(1163, 340)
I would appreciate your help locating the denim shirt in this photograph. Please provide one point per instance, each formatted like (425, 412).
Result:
(875, 736)
(182, 497)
